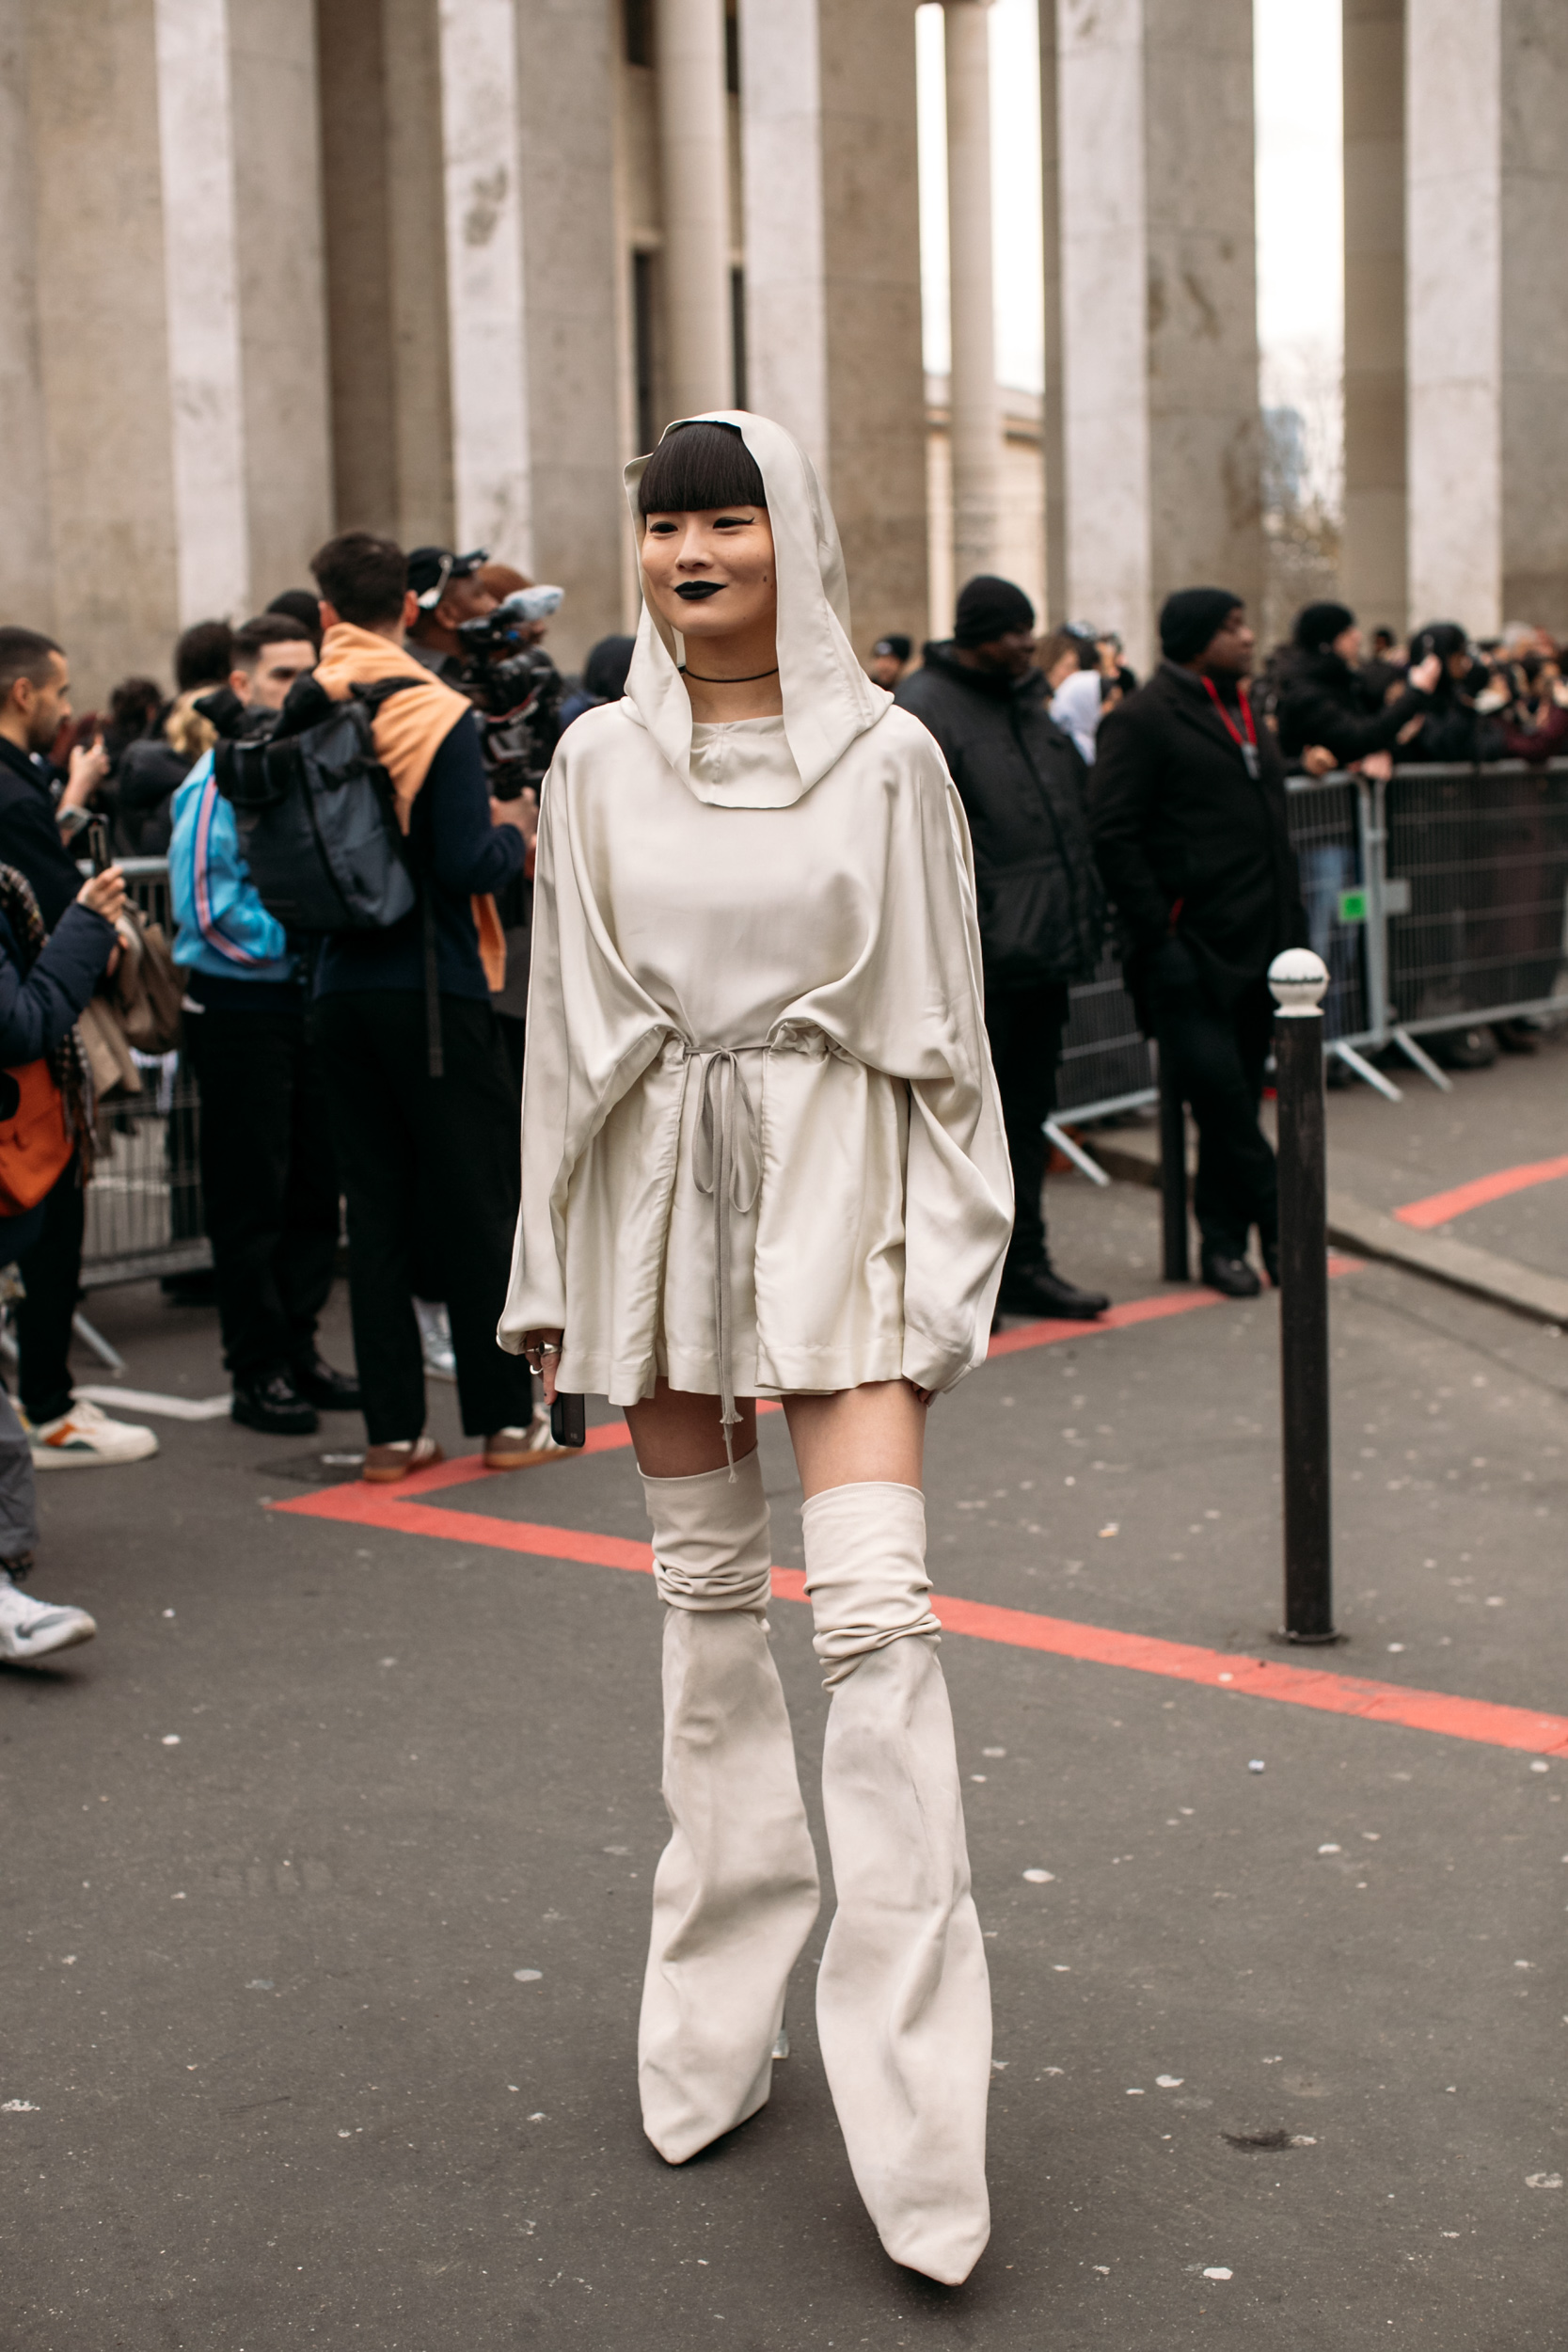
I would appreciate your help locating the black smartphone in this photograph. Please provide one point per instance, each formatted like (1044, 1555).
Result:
(98, 844)
(568, 1421)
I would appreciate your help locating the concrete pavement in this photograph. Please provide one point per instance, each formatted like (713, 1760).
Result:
(1278, 2051)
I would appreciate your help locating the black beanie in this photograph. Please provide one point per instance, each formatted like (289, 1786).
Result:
(1191, 618)
(989, 607)
(1318, 625)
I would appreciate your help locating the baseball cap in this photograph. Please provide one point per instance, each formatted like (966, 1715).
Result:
(430, 568)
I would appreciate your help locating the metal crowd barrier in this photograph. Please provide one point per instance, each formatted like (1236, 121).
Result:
(1438, 901)
(144, 1212)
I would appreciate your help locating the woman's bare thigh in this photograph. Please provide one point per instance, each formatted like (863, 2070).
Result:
(877, 1431)
(860, 1434)
(678, 1433)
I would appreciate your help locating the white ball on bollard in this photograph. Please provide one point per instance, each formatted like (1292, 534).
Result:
(1299, 981)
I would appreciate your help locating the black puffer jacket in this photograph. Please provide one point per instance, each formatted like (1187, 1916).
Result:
(1322, 700)
(1189, 845)
(1025, 790)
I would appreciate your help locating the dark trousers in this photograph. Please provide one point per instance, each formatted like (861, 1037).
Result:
(430, 1168)
(269, 1177)
(1025, 1027)
(51, 1273)
(1218, 1060)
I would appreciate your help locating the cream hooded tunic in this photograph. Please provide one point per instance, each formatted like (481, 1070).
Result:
(763, 1150)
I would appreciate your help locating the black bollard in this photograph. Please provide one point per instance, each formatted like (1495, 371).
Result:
(1173, 1174)
(1298, 980)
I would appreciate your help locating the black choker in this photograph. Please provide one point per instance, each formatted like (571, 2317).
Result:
(730, 681)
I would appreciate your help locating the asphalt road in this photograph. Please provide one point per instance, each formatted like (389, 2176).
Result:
(328, 1864)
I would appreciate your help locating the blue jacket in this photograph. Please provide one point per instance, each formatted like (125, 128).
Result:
(223, 928)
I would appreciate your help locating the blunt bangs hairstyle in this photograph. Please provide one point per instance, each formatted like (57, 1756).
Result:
(697, 467)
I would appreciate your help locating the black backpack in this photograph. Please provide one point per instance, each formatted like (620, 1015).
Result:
(317, 823)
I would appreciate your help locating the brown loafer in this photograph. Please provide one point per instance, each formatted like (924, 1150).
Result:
(385, 1463)
(520, 1449)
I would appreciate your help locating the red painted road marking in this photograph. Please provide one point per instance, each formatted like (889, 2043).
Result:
(1015, 1628)
(1440, 1206)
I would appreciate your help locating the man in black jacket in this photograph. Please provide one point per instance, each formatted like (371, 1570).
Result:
(1325, 699)
(1024, 786)
(1188, 816)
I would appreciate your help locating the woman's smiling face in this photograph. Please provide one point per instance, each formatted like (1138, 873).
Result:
(711, 575)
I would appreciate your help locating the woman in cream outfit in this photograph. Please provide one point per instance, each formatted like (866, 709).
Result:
(763, 1156)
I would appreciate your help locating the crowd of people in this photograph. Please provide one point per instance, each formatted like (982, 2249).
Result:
(1084, 794)
(789, 940)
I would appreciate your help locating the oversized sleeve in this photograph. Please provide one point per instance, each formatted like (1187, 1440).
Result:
(958, 1185)
(590, 1034)
(537, 1297)
(914, 1007)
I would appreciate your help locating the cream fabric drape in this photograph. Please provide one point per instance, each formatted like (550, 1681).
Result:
(797, 894)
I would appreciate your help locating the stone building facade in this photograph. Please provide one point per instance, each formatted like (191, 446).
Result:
(272, 268)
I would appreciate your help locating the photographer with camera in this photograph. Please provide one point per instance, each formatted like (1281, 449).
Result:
(429, 1161)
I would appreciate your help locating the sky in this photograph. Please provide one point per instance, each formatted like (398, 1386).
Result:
(1300, 291)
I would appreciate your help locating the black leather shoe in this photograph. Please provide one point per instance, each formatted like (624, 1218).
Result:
(329, 1391)
(1039, 1289)
(274, 1404)
(1231, 1277)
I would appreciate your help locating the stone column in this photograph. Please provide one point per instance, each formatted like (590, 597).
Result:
(1053, 449)
(485, 321)
(975, 408)
(384, 223)
(1372, 558)
(27, 564)
(201, 293)
(1487, 317)
(102, 327)
(695, 175)
(572, 261)
(833, 276)
(1159, 304)
(279, 272)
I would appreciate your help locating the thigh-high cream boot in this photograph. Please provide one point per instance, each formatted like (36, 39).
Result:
(903, 1999)
(736, 1892)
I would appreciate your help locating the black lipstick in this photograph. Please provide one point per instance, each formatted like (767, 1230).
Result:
(697, 591)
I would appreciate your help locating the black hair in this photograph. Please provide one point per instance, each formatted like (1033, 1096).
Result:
(363, 578)
(697, 467)
(268, 629)
(25, 653)
(604, 673)
(203, 654)
(300, 604)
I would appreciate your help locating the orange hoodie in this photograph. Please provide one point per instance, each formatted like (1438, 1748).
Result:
(408, 731)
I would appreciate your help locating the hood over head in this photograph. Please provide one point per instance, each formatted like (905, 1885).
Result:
(828, 698)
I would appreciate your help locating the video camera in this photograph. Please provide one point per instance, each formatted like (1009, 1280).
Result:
(515, 690)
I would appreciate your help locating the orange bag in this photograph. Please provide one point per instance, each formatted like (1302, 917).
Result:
(34, 1146)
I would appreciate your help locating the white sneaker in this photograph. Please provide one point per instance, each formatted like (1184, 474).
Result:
(36, 1628)
(436, 1338)
(84, 1438)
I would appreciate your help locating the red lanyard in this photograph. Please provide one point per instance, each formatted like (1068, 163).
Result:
(1230, 723)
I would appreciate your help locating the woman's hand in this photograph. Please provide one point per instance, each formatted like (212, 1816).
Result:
(542, 1351)
(104, 894)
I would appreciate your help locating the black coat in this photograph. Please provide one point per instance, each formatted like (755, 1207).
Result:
(1322, 700)
(149, 775)
(30, 838)
(39, 1006)
(1024, 788)
(1189, 844)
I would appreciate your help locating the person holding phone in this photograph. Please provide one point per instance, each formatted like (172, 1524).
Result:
(66, 1433)
(44, 984)
(764, 1156)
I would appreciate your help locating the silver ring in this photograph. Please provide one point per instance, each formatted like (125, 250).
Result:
(549, 1347)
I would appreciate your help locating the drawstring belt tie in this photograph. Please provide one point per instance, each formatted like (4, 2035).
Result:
(727, 1170)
